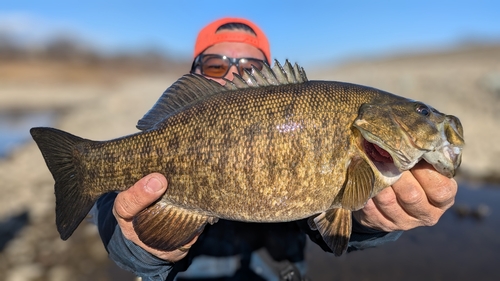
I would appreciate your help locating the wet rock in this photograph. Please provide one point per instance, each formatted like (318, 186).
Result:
(462, 210)
(11, 226)
(481, 211)
(478, 212)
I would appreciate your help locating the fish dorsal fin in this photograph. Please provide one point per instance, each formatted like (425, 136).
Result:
(277, 75)
(189, 89)
(192, 88)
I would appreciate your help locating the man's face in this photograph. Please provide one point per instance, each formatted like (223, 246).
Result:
(233, 50)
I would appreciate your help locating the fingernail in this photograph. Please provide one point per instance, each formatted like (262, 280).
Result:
(154, 184)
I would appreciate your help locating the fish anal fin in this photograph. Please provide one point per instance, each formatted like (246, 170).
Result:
(358, 186)
(311, 223)
(167, 228)
(335, 227)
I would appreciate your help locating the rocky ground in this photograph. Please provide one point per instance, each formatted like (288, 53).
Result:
(464, 82)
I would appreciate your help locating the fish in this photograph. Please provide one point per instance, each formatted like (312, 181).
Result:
(268, 146)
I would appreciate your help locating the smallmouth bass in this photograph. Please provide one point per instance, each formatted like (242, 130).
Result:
(270, 146)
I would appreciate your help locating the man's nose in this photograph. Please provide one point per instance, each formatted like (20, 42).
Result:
(230, 74)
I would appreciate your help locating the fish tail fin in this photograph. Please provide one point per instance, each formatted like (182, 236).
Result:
(62, 158)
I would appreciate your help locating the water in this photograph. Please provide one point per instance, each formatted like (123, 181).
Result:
(462, 246)
(15, 126)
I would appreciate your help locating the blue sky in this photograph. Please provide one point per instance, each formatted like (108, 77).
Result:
(309, 32)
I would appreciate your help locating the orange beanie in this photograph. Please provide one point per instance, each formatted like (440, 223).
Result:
(208, 36)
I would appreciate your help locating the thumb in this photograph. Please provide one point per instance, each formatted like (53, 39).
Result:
(143, 193)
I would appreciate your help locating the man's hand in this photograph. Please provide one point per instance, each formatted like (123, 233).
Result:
(419, 198)
(132, 201)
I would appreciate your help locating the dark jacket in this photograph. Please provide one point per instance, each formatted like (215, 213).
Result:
(284, 242)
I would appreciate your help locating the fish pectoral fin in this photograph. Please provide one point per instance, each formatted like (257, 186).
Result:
(167, 228)
(335, 227)
(358, 186)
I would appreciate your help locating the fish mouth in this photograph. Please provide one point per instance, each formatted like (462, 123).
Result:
(382, 159)
(376, 153)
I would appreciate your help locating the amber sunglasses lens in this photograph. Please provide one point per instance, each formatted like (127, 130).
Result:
(246, 64)
(216, 67)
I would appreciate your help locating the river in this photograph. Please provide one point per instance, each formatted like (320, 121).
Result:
(464, 245)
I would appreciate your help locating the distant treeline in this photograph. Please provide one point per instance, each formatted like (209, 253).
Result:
(69, 51)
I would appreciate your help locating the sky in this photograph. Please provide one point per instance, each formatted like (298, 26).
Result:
(308, 32)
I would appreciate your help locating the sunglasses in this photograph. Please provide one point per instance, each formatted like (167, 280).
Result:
(217, 66)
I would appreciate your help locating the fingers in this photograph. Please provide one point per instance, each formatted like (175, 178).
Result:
(440, 190)
(135, 199)
(175, 255)
(413, 201)
(425, 194)
(419, 198)
(382, 212)
(388, 212)
(188, 246)
(142, 194)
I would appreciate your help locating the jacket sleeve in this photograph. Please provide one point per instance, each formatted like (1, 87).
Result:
(131, 257)
(363, 237)
(122, 251)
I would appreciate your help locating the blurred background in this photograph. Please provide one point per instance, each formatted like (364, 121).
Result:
(94, 68)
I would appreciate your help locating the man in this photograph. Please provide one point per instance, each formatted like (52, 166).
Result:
(231, 250)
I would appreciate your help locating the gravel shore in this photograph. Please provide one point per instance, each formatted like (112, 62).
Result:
(465, 83)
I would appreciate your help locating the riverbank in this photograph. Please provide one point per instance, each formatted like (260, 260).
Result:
(464, 83)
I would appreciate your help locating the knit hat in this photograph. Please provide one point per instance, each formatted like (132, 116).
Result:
(208, 36)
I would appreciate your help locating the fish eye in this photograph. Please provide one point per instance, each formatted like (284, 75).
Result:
(423, 109)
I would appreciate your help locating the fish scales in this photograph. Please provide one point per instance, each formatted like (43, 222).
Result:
(254, 153)
(261, 139)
